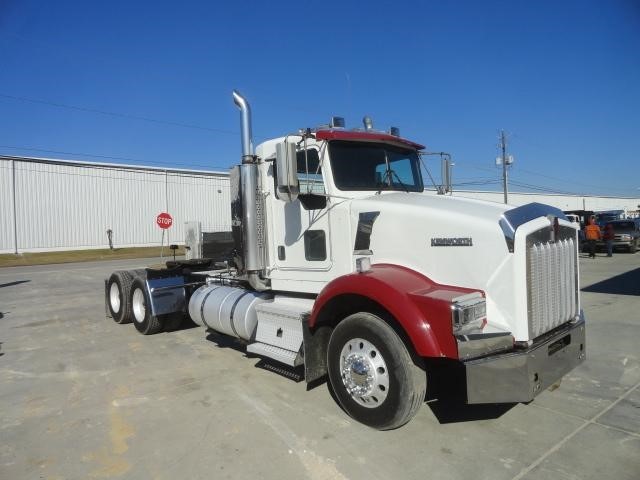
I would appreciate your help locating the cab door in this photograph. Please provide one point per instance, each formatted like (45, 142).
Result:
(301, 230)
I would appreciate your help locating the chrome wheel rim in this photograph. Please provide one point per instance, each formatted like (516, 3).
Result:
(139, 308)
(114, 297)
(364, 373)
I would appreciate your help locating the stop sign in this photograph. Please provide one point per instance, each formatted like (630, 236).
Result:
(164, 220)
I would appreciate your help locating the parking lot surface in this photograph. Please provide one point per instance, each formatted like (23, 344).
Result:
(82, 397)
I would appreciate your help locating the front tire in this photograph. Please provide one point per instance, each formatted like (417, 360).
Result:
(145, 322)
(372, 373)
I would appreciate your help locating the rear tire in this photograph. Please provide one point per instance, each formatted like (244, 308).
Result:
(118, 293)
(372, 373)
(145, 322)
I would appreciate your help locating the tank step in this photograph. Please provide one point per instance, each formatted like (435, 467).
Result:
(281, 355)
(280, 322)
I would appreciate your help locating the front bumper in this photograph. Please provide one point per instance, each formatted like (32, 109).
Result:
(617, 243)
(521, 375)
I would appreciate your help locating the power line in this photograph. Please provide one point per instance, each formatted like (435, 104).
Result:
(475, 167)
(477, 182)
(116, 114)
(547, 189)
(543, 189)
(536, 146)
(476, 179)
(573, 182)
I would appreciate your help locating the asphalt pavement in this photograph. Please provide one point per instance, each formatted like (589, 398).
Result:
(82, 397)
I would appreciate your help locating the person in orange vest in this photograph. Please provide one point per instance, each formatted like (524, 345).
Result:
(592, 234)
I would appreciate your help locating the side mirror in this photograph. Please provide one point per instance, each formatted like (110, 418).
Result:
(287, 185)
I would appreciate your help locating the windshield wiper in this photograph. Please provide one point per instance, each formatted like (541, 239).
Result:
(392, 172)
(384, 181)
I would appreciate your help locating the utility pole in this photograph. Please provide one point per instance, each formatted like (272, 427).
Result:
(503, 149)
(505, 160)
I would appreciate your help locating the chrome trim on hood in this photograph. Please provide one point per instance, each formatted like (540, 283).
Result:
(512, 219)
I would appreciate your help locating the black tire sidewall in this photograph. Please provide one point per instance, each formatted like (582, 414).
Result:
(117, 279)
(150, 324)
(141, 326)
(373, 329)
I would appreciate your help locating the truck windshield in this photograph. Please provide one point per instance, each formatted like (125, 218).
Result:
(374, 166)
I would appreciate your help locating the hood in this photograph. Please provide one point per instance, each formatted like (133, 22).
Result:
(452, 240)
(464, 243)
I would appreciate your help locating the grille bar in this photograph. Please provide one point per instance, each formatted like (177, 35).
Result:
(552, 284)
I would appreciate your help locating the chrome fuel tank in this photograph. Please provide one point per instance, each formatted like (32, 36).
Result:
(228, 310)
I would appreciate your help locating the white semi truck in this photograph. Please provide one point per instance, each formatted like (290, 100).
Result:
(342, 266)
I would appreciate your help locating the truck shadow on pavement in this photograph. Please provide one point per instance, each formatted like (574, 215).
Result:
(225, 341)
(627, 283)
(447, 396)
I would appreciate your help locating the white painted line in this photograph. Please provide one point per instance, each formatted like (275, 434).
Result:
(570, 415)
(556, 447)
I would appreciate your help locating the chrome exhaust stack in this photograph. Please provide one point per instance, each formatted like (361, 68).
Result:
(247, 220)
(245, 127)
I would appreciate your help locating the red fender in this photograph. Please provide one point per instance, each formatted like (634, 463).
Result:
(421, 306)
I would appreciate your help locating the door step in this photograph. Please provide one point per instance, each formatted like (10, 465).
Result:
(281, 355)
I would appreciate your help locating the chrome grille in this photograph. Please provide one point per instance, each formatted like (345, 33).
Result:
(552, 282)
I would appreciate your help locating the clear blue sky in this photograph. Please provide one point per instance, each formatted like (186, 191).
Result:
(562, 78)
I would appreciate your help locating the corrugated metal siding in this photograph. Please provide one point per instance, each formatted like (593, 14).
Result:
(203, 199)
(6, 208)
(63, 206)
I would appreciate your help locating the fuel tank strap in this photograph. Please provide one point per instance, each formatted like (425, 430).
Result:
(233, 309)
(204, 301)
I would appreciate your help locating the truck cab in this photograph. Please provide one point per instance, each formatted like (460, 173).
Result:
(342, 264)
(360, 198)
(312, 238)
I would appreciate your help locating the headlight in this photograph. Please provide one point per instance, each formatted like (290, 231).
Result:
(625, 238)
(468, 312)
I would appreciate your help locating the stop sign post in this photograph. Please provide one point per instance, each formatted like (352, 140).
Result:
(164, 221)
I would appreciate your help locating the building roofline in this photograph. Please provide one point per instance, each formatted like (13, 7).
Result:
(122, 166)
(576, 195)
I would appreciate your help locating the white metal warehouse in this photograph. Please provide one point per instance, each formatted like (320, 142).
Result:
(48, 204)
(630, 205)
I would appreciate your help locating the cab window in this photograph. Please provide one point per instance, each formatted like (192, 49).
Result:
(310, 172)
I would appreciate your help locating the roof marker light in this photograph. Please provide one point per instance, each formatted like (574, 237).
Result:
(337, 122)
(395, 131)
(368, 123)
